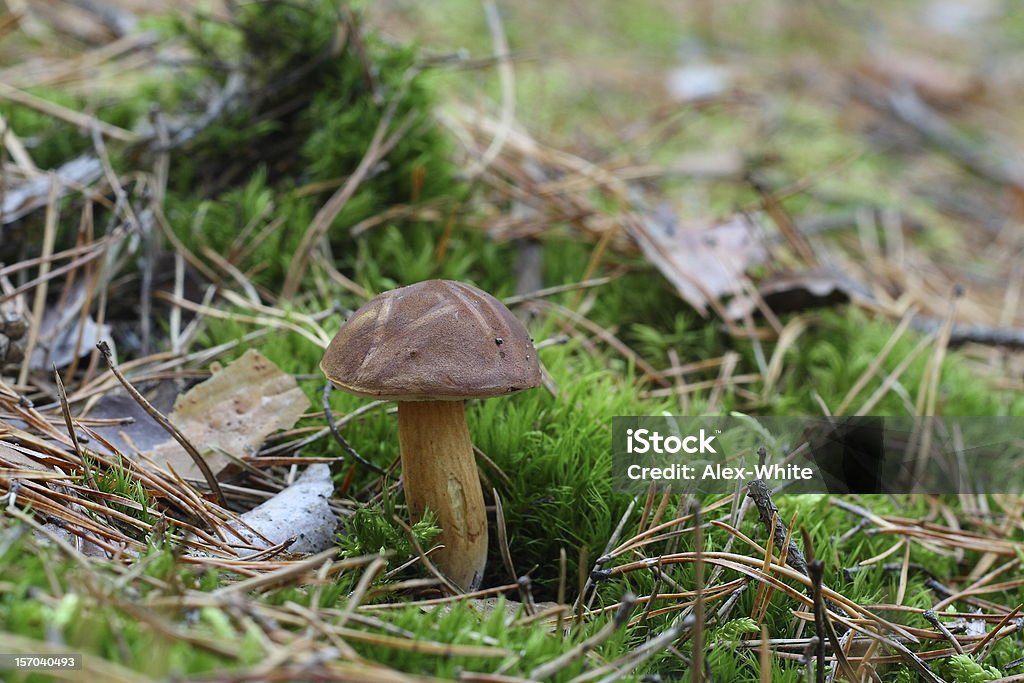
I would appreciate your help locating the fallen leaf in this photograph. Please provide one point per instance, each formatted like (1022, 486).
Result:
(976, 627)
(231, 414)
(302, 511)
(700, 262)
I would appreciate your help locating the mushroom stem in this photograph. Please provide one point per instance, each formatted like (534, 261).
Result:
(439, 473)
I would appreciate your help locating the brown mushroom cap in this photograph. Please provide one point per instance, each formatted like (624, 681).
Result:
(432, 341)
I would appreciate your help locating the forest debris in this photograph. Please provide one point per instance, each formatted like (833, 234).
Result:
(301, 512)
(12, 351)
(698, 81)
(175, 433)
(12, 329)
(31, 194)
(992, 335)
(60, 341)
(772, 205)
(988, 212)
(818, 224)
(788, 292)
(702, 263)
(940, 83)
(12, 322)
(80, 541)
(987, 158)
(769, 514)
(231, 414)
(138, 430)
(383, 141)
(75, 118)
(118, 20)
(759, 492)
(10, 459)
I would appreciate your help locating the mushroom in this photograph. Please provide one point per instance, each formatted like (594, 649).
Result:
(430, 346)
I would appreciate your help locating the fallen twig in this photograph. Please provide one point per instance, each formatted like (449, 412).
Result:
(761, 495)
(991, 335)
(336, 433)
(910, 109)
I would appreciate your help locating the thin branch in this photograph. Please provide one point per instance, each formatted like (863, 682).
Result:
(336, 433)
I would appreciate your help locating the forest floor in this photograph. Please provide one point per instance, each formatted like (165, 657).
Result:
(796, 209)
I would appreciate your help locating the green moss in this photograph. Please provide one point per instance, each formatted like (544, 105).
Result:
(115, 480)
(50, 141)
(556, 452)
(372, 530)
(842, 345)
(314, 109)
(963, 669)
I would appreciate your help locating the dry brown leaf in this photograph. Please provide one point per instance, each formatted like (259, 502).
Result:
(232, 413)
(700, 262)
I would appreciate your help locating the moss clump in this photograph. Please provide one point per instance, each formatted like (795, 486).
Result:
(963, 669)
(372, 530)
(315, 92)
(841, 347)
(50, 141)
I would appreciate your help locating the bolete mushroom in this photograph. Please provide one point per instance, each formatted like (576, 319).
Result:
(430, 346)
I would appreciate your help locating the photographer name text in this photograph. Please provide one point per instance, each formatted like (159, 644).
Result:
(644, 441)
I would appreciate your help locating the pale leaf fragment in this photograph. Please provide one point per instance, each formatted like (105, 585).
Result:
(701, 262)
(231, 414)
(31, 194)
(699, 81)
(302, 511)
